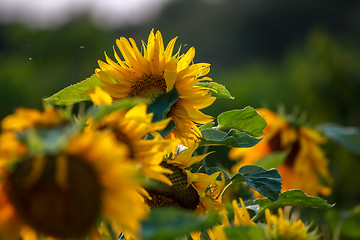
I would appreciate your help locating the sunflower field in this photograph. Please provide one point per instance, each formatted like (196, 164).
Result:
(224, 124)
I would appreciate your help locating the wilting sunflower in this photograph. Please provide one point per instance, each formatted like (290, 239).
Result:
(189, 190)
(65, 194)
(157, 71)
(278, 227)
(305, 158)
(134, 128)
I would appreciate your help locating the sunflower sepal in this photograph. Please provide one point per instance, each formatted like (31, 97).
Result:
(74, 93)
(47, 141)
(266, 182)
(216, 90)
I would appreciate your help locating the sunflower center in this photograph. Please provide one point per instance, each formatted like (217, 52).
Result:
(58, 211)
(177, 195)
(148, 86)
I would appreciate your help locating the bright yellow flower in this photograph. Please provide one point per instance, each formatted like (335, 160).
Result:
(189, 190)
(241, 218)
(146, 148)
(155, 72)
(24, 118)
(305, 159)
(63, 195)
(281, 228)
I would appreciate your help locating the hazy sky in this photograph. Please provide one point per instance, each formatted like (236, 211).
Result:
(47, 13)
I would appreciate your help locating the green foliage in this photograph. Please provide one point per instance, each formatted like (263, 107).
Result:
(237, 128)
(246, 120)
(266, 182)
(348, 137)
(162, 104)
(216, 89)
(345, 223)
(292, 198)
(233, 138)
(170, 223)
(74, 93)
(272, 160)
(206, 126)
(245, 233)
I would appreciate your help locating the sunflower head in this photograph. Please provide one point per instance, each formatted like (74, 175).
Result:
(155, 71)
(24, 118)
(146, 148)
(54, 206)
(304, 157)
(179, 194)
(281, 228)
(63, 194)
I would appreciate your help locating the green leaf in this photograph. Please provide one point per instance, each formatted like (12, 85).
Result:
(246, 120)
(292, 198)
(206, 126)
(245, 233)
(98, 112)
(348, 137)
(216, 89)
(272, 160)
(345, 223)
(266, 182)
(74, 93)
(170, 223)
(162, 104)
(233, 138)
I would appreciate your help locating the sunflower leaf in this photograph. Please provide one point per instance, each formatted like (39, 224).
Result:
(162, 104)
(348, 137)
(170, 223)
(233, 138)
(216, 90)
(273, 160)
(245, 233)
(74, 93)
(246, 120)
(266, 182)
(206, 126)
(291, 198)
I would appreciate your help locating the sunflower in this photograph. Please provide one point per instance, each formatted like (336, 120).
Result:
(134, 128)
(64, 195)
(241, 218)
(24, 118)
(305, 158)
(155, 72)
(278, 227)
(189, 190)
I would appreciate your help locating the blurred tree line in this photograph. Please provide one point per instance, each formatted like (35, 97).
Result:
(303, 55)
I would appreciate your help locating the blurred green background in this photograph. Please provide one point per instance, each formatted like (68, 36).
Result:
(301, 55)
